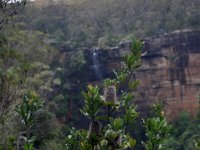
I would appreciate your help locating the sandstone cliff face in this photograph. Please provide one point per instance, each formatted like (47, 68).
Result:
(170, 70)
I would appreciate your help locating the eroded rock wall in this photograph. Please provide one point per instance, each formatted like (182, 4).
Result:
(170, 70)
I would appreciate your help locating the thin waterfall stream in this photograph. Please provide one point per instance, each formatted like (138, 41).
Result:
(96, 64)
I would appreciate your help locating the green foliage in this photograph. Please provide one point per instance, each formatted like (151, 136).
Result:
(35, 56)
(26, 110)
(13, 77)
(76, 139)
(28, 62)
(185, 133)
(29, 143)
(53, 145)
(70, 71)
(92, 22)
(157, 129)
(115, 109)
(74, 63)
(92, 102)
(29, 106)
(11, 144)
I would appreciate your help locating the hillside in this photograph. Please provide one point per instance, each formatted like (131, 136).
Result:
(104, 23)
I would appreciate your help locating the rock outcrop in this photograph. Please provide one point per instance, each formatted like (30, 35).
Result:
(170, 70)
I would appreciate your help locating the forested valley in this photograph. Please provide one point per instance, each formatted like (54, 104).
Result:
(49, 100)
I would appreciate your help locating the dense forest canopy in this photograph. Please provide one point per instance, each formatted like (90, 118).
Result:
(103, 22)
(40, 62)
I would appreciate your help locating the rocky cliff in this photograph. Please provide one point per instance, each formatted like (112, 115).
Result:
(170, 70)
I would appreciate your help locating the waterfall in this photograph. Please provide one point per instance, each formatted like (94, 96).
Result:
(96, 65)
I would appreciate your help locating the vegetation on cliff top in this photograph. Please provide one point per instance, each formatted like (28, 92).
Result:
(106, 22)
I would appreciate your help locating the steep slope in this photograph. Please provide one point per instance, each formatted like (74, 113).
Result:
(87, 23)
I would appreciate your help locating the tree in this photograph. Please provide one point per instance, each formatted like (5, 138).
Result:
(24, 66)
(9, 8)
(157, 129)
(27, 110)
